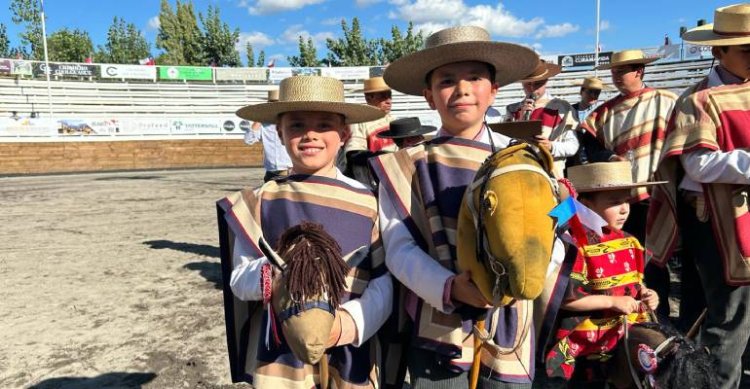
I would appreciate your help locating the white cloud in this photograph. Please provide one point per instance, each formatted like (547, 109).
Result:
(604, 25)
(261, 7)
(292, 34)
(331, 21)
(556, 30)
(365, 3)
(153, 23)
(429, 15)
(256, 38)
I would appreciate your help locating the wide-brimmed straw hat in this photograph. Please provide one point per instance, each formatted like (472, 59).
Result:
(405, 128)
(512, 62)
(627, 57)
(544, 70)
(592, 83)
(310, 93)
(605, 176)
(273, 95)
(731, 27)
(374, 85)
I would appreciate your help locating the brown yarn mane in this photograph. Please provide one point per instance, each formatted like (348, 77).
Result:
(314, 264)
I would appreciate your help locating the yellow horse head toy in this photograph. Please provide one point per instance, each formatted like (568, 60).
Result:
(505, 235)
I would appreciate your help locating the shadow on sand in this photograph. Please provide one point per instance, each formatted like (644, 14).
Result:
(200, 249)
(108, 380)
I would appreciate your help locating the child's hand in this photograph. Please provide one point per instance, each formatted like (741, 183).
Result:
(464, 290)
(543, 141)
(650, 298)
(624, 304)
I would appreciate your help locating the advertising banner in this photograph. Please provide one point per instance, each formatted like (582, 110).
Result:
(19, 126)
(275, 75)
(348, 73)
(376, 71)
(21, 68)
(305, 71)
(133, 72)
(241, 74)
(586, 59)
(691, 51)
(65, 69)
(5, 66)
(188, 73)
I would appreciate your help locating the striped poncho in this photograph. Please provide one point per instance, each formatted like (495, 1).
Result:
(709, 116)
(426, 185)
(349, 214)
(633, 127)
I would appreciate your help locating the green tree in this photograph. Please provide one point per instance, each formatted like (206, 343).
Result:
(308, 55)
(400, 45)
(179, 35)
(250, 55)
(69, 45)
(353, 49)
(261, 59)
(218, 40)
(125, 44)
(29, 13)
(4, 42)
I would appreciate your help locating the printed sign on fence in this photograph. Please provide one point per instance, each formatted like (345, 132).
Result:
(352, 73)
(241, 74)
(21, 68)
(697, 52)
(65, 70)
(188, 73)
(275, 75)
(20, 126)
(135, 72)
(586, 59)
(5, 66)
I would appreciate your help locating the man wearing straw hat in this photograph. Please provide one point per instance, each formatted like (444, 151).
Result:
(312, 118)
(631, 127)
(706, 158)
(421, 188)
(275, 158)
(591, 88)
(364, 142)
(557, 116)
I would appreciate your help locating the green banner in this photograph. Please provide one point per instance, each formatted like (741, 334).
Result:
(190, 73)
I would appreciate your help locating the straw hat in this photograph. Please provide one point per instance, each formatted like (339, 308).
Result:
(593, 83)
(544, 70)
(406, 127)
(604, 176)
(375, 84)
(310, 93)
(273, 95)
(512, 62)
(731, 27)
(627, 57)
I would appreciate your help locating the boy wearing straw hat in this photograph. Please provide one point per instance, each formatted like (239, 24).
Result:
(557, 116)
(275, 158)
(364, 142)
(606, 283)
(421, 188)
(707, 161)
(631, 127)
(312, 119)
(591, 88)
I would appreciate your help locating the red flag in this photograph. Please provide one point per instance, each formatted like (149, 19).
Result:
(271, 63)
(88, 60)
(147, 61)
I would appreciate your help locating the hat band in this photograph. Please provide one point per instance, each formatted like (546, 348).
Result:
(727, 33)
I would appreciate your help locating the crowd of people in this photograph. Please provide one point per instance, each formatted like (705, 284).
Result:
(664, 179)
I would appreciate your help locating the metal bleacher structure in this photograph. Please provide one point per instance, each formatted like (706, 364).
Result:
(107, 99)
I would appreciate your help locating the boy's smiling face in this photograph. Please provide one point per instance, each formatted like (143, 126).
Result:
(461, 92)
(313, 140)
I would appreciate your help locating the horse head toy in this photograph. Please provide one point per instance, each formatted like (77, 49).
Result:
(310, 287)
(505, 235)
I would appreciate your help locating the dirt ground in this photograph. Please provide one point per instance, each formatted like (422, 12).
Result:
(113, 280)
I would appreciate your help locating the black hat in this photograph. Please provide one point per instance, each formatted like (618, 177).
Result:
(406, 127)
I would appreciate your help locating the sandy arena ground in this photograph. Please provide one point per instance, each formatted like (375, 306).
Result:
(113, 280)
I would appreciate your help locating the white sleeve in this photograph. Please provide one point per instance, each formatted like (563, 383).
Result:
(251, 137)
(566, 146)
(406, 260)
(718, 167)
(246, 275)
(372, 309)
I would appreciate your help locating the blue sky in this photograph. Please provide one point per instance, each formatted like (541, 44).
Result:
(551, 27)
